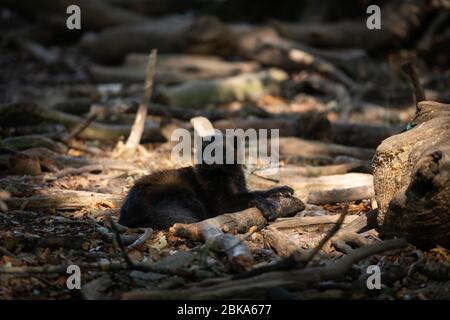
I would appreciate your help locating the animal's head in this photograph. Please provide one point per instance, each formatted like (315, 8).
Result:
(219, 149)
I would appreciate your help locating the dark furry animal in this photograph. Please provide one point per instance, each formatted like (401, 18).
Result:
(193, 194)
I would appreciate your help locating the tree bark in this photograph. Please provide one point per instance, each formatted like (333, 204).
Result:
(412, 179)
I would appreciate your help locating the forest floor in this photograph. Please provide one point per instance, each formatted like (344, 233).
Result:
(58, 194)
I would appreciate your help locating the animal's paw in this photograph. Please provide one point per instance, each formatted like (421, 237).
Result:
(283, 191)
(269, 209)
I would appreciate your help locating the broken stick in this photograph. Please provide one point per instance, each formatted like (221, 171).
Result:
(139, 123)
(211, 231)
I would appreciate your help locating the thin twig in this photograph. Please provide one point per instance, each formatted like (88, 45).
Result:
(5, 252)
(79, 129)
(122, 247)
(293, 260)
(74, 171)
(142, 239)
(327, 237)
(139, 123)
(419, 93)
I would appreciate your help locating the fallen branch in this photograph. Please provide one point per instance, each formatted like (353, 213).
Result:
(238, 222)
(401, 20)
(48, 158)
(291, 146)
(198, 94)
(210, 231)
(258, 286)
(314, 171)
(316, 126)
(138, 127)
(341, 195)
(60, 199)
(23, 113)
(326, 186)
(79, 129)
(96, 15)
(281, 244)
(302, 222)
(367, 220)
(32, 141)
(171, 69)
(342, 240)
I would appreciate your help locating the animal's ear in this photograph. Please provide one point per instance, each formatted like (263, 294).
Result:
(203, 127)
(204, 135)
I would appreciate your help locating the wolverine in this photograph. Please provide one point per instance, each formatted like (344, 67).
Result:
(192, 194)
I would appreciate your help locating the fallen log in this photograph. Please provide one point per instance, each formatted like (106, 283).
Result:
(341, 195)
(208, 35)
(244, 87)
(314, 171)
(311, 126)
(172, 69)
(291, 147)
(238, 222)
(60, 199)
(286, 126)
(400, 21)
(212, 114)
(411, 179)
(95, 14)
(112, 44)
(365, 165)
(361, 135)
(50, 159)
(22, 113)
(267, 47)
(32, 141)
(299, 222)
(211, 231)
(334, 188)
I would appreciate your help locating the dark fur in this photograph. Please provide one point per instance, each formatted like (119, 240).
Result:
(193, 194)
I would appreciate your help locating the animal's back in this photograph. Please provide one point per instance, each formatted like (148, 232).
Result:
(163, 198)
